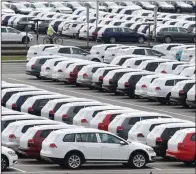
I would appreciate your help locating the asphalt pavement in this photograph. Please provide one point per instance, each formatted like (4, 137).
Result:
(15, 73)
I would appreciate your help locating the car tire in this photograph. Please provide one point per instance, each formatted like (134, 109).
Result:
(24, 40)
(4, 163)
(185, 105)
(167, 39)
(38, 77)
(73, 161)
(188, 163)
(162, 101)
(138, 160)
(112, 40)
(178, 10)
(194, 39)
(57, 11)
(95, 60)
(141, 40)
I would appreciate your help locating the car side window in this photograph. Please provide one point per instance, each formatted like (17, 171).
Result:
(193, 137)
(169, 83)
(86, 138)
(69, 138)
(77, 108)
(183, 30)
(11, 30)
(42, 61)
(3, 30)
(110, 139)
(139, 51)
(152, 66)
(76, 51)
(118, 30)
(171, 46)
(173, 29)
(45, 133)
(64, 50)
(47, 47)
(164, 29)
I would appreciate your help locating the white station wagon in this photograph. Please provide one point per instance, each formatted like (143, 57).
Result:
(74, 147)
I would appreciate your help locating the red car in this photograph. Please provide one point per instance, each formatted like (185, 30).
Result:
(31, 141)
(182, 146)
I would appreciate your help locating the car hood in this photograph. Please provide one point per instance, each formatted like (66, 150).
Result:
(7, 11)
(167, 6)
(26, 10)
(138, 145)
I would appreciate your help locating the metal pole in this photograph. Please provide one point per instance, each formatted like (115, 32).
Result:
(97, 14)
(37, 32)
(149, 36)
(26, 35)
(155, 23)
(87, 17)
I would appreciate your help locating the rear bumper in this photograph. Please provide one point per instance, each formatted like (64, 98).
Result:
(51, 159)
(177, 99)
(191, 103)
(33, 73)
(84, 82)
(29, 152)
(180, 155)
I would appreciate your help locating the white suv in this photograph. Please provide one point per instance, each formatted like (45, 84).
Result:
(71, 148)
(8, 158)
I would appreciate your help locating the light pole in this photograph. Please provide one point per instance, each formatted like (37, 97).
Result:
(87, 20)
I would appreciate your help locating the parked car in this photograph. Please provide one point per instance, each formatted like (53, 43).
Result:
(128, 81)
(9, 34)
(160, 135)
(180, 90)
(67, 112)
(181, 6)
(172, 33)
(19, 8)
(190, 101)
(163, 6)
(5, 121)
(145, 5)
(180, 68)
(8, 158)
(31, 141)
(60, 8)
(182, 146)
(112, 34)
(140, 130)
(160, 88)
(188, 72)
(88, 136)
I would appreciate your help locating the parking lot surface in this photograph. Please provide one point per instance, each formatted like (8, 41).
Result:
(15, 73)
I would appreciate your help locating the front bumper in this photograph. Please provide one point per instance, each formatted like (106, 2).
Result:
(180, 155)
(13, 161)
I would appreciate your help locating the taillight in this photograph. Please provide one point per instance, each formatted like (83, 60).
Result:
(85, 75)
(164, 72)
(159, 139)
(120, 128)
(140, 135)
(51, 112)
(32, 66)
(144, 86)
(110, 80)
(30, 109)
(65, 116)
(72, 74)
(180, 145)
(100, 126)
(181, 92)
(127, 84)
(14, 105)
(60, 70)
(31, 142)
(84, 120)
(102, 34)
(100, 78)
(52, 145)
(12, 136)
(157, 88)
(94, 33)
(47, 68)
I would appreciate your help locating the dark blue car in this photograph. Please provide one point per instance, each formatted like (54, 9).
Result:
(120, 34)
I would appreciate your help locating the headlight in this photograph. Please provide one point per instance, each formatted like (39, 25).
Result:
(151, 150)
(11, 153)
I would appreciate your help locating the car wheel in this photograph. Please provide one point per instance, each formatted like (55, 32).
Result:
(194, 39)
(140, 40)
(178, 10)
(38, 77)
(24, 40)
(112, 40)
(185, 105)
(73, 161)
(138, 160)
(58, 11)
(162, 101)
(188, 163)
(167, 39)
(4, 163)
(95, 60)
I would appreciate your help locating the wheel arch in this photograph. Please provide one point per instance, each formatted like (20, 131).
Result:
(3, 155)
(139, 151)
(77, 152)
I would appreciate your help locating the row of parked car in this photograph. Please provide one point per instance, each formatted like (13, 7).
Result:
(105, 130)
(122, 24)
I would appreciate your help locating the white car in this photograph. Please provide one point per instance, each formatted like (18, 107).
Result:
(74, 139)
(180, 68)
(168, 67)
(160, 88)
(84, 116)
(51, 107)
(188, 54)
(6, 10)
(36, 50)
(13, 85)
(9, 34)
(188, 72)
(60, 8)
(8, 158)
(142, 85)
(5, 121)
(67, 112)
(141, 129)
(85, 74)
(12, 133)
(9, 112)
(190, 101)
(49, 65)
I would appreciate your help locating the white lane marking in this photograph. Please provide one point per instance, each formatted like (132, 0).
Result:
(156, 168)
(145, 107)
(18, 169)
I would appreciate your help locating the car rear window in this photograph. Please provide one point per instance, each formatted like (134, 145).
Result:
(134, 120)
(96, 112)
(58, 105)
(122, 60)
(55, 64)
(95, 69)
(174, 66)
(45, 133)
(113, 116)
(42, 61)
(8, 95)
(193, 137)
(188, 86)
(169, 83)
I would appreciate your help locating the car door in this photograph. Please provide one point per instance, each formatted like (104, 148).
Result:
(4, 35)
(89, 145)
(78, 53)
(111, 149)
(13, 35)
(185, 36)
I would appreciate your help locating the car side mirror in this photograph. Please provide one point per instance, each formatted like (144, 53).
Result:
(123, 143)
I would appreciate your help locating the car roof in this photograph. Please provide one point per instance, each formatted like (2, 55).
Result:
(29, 122)
(13, 117)
(43, 127)
(173, 77)
(188, 130)
(141, 113)
(45, 96)
(82, 103)
(173, 125)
